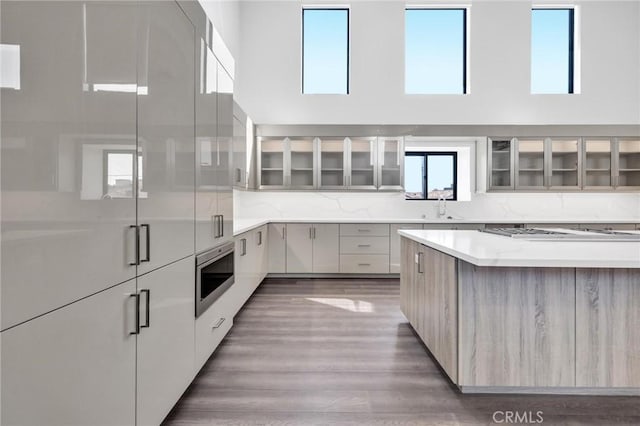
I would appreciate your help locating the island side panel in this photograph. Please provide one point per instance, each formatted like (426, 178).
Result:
(516, 326)
(408, 270)
(608, 327)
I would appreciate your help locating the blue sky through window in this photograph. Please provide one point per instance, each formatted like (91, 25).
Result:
(325, 51)
(550, 43)
(434, 51)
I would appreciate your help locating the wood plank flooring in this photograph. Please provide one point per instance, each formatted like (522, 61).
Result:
(340, 352)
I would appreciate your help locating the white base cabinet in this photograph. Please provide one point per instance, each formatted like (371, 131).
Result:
(166, 340)
(277, 253)
(55, 371)
(312, 248)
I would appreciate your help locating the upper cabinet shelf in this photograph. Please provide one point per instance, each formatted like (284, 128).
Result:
(332, 163)
(564, 164)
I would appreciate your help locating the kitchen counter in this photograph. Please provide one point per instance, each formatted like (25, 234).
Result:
(483, 249)
(243, 225)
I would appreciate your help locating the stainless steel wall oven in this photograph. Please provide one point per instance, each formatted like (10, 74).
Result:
(214, 275)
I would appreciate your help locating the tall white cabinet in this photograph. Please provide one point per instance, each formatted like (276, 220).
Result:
(99, 162)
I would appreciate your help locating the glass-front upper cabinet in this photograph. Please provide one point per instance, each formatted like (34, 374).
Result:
(530, 164)
(390, 163)
(332, 163)
(362, 163)
(628, 163)
(300, 173)
(564, 160)
(597, 163)
(500, 161)
(271, 164)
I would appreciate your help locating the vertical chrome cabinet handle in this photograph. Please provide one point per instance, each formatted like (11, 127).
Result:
(311, 232)
(137, 245)
(147, 315)
(314, 232)
(222, 225)
(284, 232)
(137, 329)
(259, 238)
(218, 324)
(148, 242)
(243, 242)
(420, 258)
(214, 225)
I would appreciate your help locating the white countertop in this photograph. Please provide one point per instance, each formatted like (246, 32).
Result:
(483, 249)
(243, 225)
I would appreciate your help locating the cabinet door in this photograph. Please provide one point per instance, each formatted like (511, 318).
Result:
(240, 175)
(597, 163)
(299, 247)
(627, 173)
(362, 160)
(394, 245)
(332, 163)
(244, 269)
(326, 248)
(166, 134)
(277, 248)
(224, 177)
(271, 164)
(166, 344)
(68, 154)
(302, 163)
(262, 237)
(565, 162)
(206, 155)
(391, 164)
(73, 366)
(530, 159)
(501, 164)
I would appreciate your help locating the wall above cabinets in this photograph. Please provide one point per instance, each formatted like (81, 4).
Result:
(331, 163)
(564, 163)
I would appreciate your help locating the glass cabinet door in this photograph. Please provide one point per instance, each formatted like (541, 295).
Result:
(390, 163)
(500, 160)
(362, 163)
(332, 164)
(271, 166)
(301, 174)
(564, 161)
(530, 163)
(597, 163)
(628, 163)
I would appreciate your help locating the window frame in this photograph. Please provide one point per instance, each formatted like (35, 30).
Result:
(572, 48)
(425, 181)
(465, 47)
(326, 7)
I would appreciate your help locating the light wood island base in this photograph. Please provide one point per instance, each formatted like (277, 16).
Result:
(551, 330)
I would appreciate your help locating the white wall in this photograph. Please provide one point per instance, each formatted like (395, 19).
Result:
(268, 83)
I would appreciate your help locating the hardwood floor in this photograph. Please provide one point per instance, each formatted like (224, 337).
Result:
(340, 352)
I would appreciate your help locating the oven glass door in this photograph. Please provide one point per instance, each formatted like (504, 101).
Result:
(215, 275)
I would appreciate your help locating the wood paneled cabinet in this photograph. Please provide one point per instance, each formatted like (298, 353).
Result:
(429, 300)
(589, 163)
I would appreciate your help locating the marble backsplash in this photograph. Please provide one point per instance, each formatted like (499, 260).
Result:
(486, 206)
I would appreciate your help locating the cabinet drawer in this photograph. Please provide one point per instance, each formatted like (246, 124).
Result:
(364, 229)
(364, 245)
(211, 327)
(364, 263)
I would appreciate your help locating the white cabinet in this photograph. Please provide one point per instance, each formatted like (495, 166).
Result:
(165, 120)
(277, 248)
(214, 151)
(75, 365)
(65, 208)
(299, 247)
(165, 355)
(240, 174)
(212, 326)
(312, 248)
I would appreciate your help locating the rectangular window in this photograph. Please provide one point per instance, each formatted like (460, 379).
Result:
(430, 175)
(325, 51)
(435, 51)
(552, 51)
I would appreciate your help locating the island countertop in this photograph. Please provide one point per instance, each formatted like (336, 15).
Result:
(483, 249)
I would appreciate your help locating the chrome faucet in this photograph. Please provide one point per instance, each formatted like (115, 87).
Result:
(442, 206)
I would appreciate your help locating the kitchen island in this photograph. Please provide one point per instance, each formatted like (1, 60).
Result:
(509, 315)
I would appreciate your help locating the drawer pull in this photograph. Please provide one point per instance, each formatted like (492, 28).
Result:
(364, 264)
(218, 324)
(364, 245)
